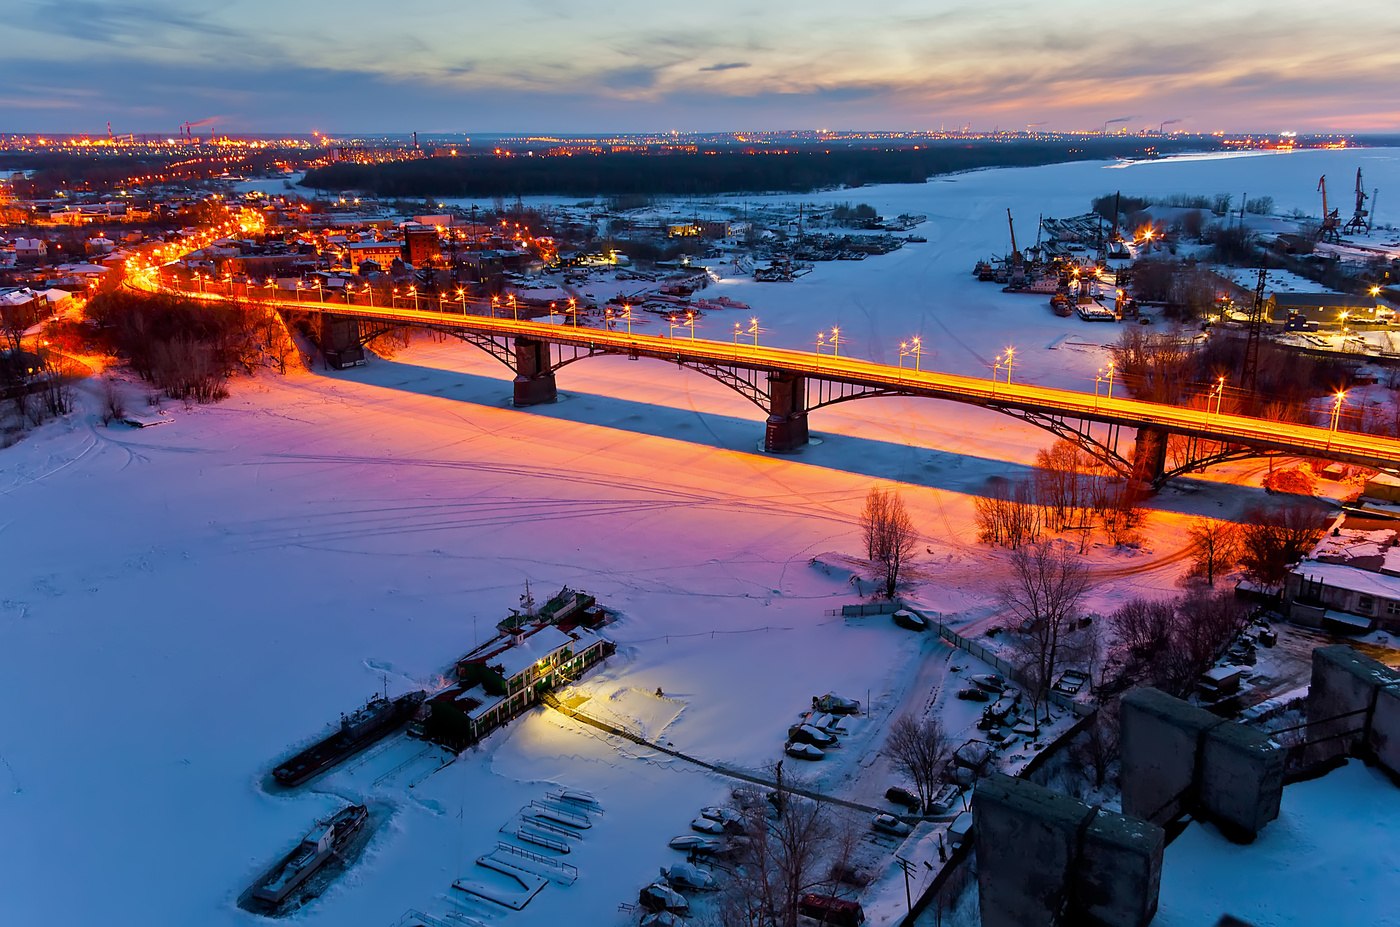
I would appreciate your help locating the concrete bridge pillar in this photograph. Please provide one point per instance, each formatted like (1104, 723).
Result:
(340, 341)
(1150, 455)
(534, 377)
(787, 412)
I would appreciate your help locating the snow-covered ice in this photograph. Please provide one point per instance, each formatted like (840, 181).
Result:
(181, 607)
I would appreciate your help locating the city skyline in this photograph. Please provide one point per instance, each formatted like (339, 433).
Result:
(547, 67)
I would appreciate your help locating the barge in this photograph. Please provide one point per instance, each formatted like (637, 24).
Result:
(325, 839)
(365, 726)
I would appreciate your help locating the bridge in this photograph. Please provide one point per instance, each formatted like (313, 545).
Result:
(1148, 441)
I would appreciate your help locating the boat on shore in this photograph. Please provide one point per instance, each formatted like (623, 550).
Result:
(365, 726)
(323, 841)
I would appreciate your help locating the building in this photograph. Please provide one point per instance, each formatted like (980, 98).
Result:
(507, 675)
(1328, 310)
(1349, 582)
(421, 244)
(382, 253)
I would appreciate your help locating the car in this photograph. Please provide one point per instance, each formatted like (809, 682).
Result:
(974, 695)
(903, 797)
(804, 751)
(889, 824)
(909, 620)
(989, 681)
(706, 826)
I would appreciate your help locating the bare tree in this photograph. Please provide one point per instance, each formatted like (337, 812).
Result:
(1273, 540)
(919, 749)
(1216, 547)
(780, 862)
(1047, 582)
(889, 534)
(1097, 747)
(1169, 643)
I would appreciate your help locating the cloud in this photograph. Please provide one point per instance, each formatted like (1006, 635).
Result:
(728, 66)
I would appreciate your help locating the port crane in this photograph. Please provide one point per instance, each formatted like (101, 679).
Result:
(1330, 230)
(1358, 224)
(1015, 254)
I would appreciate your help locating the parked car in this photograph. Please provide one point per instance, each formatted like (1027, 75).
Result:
(972, 694)
(903, 797)
(889, 824)
(804, 751)
(989, 681)
(907, 619)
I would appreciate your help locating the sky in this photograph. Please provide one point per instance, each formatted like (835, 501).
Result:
(550, 66)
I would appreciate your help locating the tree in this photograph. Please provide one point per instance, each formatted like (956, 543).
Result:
(889, 534)
(1272, 540)
(1169, 643)
(1215, 545)
(1097, 747)
(780, 862)
(1047, 582)
(919, 749)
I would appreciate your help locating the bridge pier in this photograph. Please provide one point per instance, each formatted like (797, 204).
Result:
(340, 341)
(787, 412)
(534, 377)
(1150, 456)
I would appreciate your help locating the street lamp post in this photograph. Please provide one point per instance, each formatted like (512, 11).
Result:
(462, 295)
(495, 301)
(753, 330)
(1336, 416)
(835, 341)
(913, 348)
(1219, 393)
(690, 321)
(627, 314)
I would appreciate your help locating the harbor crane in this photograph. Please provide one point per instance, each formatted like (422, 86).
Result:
(1330, 230)
(1015, 254)
(1359, 224)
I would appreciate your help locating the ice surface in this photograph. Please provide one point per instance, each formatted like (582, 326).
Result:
(182, 607)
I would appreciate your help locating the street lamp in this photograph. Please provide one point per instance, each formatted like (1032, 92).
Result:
(627, 314)
(753, 330)
(462, 295)
(1336, 415)
(413, 291)
(495, 301)
(912, 348)
(1219, 393)
(690, 321)
(516, 308)
(835, 341)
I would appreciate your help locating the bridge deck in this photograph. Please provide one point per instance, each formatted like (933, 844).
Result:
(1287, 437)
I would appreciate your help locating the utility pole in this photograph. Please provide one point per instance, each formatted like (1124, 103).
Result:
(1251, 347)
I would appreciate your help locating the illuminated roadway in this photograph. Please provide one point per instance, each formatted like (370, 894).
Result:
(1287, 437)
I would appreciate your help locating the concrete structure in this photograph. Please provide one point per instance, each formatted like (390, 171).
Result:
(1045, 859)
(1353, 708)
(1179, 759)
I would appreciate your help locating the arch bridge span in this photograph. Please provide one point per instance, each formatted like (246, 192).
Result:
(1148, 441)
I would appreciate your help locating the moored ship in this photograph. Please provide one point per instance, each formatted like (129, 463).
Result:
(325, 839)
(375, 720)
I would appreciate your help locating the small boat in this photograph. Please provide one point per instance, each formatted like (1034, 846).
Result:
(804, 751)
(706, 826)
(694, 843)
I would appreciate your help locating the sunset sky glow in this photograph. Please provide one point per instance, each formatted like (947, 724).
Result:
(628, 66)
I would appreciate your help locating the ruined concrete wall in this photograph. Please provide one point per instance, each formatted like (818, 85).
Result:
(1045, 859)
(1367, 693)
(1179, 758)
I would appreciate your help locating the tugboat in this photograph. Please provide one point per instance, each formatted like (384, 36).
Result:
(375, 720)
(324, 840)
(1060, 304)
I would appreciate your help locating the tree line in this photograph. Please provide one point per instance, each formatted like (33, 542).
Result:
(717, 171)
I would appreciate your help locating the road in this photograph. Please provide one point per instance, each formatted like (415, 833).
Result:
(1305, 440)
